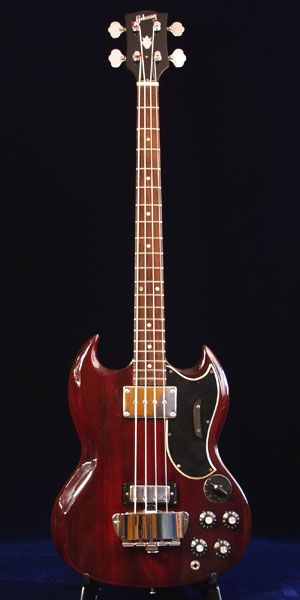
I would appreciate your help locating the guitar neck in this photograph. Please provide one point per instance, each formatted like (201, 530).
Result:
(149, 322)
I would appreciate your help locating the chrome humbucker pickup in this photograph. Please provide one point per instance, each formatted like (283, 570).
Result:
(159, 402)
(154, 494)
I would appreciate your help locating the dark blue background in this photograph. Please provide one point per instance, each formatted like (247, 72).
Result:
(230, 157)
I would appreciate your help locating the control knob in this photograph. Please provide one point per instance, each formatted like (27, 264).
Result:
(199, 547)
(222, 549)
(230, 519)
(207, 519)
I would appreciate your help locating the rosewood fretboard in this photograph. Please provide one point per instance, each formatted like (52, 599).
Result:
(149, 322)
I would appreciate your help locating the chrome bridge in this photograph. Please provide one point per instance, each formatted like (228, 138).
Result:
(160, 494)
(151, 530)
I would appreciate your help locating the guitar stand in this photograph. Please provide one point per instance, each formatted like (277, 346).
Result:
(90, 589)
(209, 589)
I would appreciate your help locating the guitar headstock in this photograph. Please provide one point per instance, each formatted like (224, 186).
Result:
(147, 46)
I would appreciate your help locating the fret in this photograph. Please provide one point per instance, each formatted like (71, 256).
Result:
(148, 267)
(140, 237)
(148, 187)
(149, 340)
(158, 317)
(148, 375)
(151, 330)
(148, 149)
(155, 351)
(152, 351)
(153, 107)
(150, 220)
(159, 322)
(156, 307)
(160, 380)
(148, 169)
(148, 128)
(142, 368)
(152, 320)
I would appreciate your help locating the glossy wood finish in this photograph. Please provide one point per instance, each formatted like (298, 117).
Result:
(82, 515)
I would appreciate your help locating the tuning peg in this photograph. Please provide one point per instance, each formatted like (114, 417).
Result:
(116, 29)
(178, 58)
(116, 58)
(176, 28)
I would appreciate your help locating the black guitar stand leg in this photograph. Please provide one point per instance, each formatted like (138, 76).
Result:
(209, 589)
(90, 589)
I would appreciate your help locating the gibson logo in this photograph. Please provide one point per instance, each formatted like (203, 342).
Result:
(143, 17)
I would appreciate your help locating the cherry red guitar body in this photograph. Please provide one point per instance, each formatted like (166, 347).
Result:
(150, 502)
(82, 526)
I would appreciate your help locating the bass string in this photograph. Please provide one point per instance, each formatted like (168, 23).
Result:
(137, 273)
(145, 289)
(153, 274)
(161, 268)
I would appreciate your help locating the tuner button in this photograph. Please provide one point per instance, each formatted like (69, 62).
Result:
(116, 58)
(116, 29)
(176, 28)
(207, 519)
(230, 519)
(199, 547)
(157, 26)
(222, 549)
(178, 58)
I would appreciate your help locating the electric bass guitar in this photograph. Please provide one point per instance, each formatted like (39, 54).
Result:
(151, 502)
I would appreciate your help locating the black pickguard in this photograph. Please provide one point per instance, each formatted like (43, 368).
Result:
(185, 447)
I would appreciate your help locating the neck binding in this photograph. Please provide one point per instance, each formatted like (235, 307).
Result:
(149, 322)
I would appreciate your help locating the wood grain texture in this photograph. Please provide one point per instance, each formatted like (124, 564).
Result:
(82, 515)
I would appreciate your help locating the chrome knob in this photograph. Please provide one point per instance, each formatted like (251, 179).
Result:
(222, 549)
(178, 58)
(207, 519)
(176, 28)
(230, 519)
(116, 29)
(116, 58)
(199, 547)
